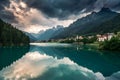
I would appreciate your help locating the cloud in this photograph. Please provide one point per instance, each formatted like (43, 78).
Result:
(112, 4)
(36, 15)
(61, 9)
(27, 19)
(31, 19)
(36, 66)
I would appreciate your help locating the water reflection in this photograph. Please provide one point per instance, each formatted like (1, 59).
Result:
(36, 66)
(105, 62)
(10, 54)
(63, 62)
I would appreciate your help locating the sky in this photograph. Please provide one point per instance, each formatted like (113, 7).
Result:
(35, 15)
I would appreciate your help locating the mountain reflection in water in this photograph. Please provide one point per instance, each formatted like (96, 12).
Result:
(63, 62)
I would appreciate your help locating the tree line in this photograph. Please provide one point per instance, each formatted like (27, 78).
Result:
(10, 36)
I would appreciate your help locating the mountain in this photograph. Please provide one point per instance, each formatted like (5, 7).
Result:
(32, 38)
(49, 33)
(36, 35)
(112, 25)
(87, 25)
(10, 36)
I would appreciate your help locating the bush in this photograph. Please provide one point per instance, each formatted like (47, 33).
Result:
(113, 44)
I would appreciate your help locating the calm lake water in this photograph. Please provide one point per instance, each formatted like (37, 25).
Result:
(53, 61)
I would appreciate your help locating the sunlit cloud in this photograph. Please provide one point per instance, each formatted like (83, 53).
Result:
(33, 20)
(35, 15)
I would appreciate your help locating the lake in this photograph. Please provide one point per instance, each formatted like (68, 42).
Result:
(55, 61)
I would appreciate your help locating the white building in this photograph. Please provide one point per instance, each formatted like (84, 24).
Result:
(104, 37)
(110, 35)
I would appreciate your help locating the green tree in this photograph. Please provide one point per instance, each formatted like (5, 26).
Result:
(10, 36)
(113, 44)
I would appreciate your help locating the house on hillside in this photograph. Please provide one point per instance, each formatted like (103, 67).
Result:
(78, 38)
(104, 37)
(90, 37)
(110, 35)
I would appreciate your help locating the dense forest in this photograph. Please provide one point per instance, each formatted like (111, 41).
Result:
(10, 36)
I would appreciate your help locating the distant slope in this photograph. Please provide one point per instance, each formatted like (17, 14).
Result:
(10, 36)
(49, 33)
(32, 38)
(84, 26)
(36, 35)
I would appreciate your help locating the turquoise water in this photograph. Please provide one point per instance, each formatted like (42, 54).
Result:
(52, 61)
(10, 54)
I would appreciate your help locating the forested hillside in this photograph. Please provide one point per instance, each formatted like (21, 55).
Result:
(10, 36)
(112, 25)
(91, 24)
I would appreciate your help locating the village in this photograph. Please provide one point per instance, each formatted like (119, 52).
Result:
(99, 37)
(81, 39)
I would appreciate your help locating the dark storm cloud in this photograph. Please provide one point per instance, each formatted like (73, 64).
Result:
(6, 15)
(64, 8)
(49, 13)
(112, 4)
(60, 8)
(3, 2)
(116, 7)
